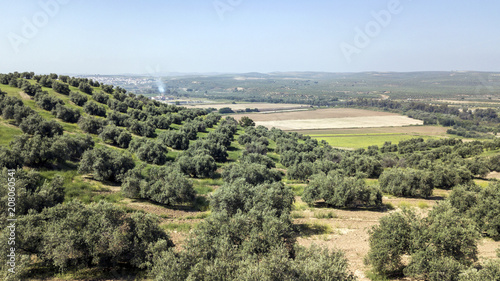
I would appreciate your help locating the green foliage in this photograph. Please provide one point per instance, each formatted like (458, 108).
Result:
(300, 171)
(36, 125)
(33, 193)
(197, 164)
(245, 121)
(46, 101)
(482, 205)
(116, 136)
(248, 158)
(100, 97)
(85, 87)
(77, 98)
(105, 164)
(341, 191)
(93, 108)
(150, 151)
(253, 174)
(225, 110)
(174, 139)
(60, 88)
(166, 185)
(242, 196)
(37, 150)
(141, 129)
(406, 182)
(440, 245)
(66, 114)
(91, 124)
(74, 235)
(10, 158)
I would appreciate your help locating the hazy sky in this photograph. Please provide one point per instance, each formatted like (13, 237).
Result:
(141, 36)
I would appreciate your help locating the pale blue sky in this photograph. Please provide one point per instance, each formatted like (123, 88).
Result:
(116, 37)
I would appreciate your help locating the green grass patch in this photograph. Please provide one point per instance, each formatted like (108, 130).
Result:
(404, 204)
(482, 183)
(325, 215)
(423, 205)
(375, 276)
(199, 216)
(298, 190)
(315, 228)
(297, 215)
(8, 134)
(181, 227)
(300, 206)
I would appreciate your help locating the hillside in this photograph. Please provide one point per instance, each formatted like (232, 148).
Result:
(106, 184)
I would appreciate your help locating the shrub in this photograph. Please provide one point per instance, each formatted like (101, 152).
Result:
(66, 114)
(340, 191)
(93, 108)
(406, 182)
(105, 164)
(253, 174)
(166, 185)
(116, 136)
(77, 98)
(91, 125)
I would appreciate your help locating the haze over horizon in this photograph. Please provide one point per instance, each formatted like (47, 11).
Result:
(241, 36)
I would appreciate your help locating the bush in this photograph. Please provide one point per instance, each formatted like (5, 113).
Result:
(77, 98)
(93, 108)
(241, 196)
(85, 87)
(115, 136)
(60, 88)
(197, 165)
(37, 150)
(141, 129)
(174, 139)
(46, 101)
(100, 97)
(33, 192)
(253, 174)
(249, 158)
(167, 185)
(481, 205)
(340, 191)
(105, 164)
(440, 245)
(300, 171)
(91, 125)
(36, 125)
(66, 114)
(406, 182)
(75, 235)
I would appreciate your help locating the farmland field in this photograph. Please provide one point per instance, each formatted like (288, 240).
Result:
(331, 118)
(363, 140)
(260, 106)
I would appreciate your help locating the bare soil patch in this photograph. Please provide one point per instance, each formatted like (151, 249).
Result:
(493, 175)
(24, 96)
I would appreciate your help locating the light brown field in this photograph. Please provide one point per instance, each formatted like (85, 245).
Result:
(347, 122)
(330, 118)
(314, 114)
(259, 106)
